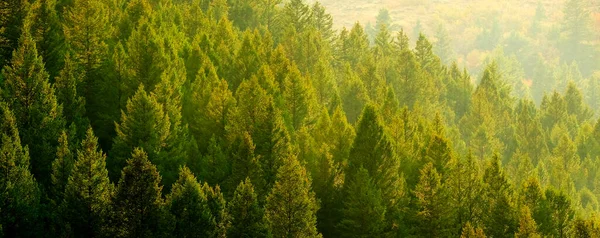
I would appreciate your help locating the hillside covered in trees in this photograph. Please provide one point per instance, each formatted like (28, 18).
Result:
(259, 118)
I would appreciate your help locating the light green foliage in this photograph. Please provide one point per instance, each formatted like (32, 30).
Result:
(297, 124)
(291, 206)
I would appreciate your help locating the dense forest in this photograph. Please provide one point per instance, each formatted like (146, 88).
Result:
(260, 118)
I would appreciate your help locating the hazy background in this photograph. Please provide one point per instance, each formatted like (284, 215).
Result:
(540, 45)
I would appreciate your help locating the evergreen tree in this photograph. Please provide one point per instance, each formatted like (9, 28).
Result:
(291, 207)
(471, 232)
(189, 206)
(464, 188)
(425, 56)
(61, 169)
(299, 98)
(500, 219)
(218, 208)
(442, 46)
(138, 205)
(146, 125)
(19, 192)
(86, 31)
(11, 25)
(44, 22)
(73, 104)
(246, 214)
(88, 191)
(323, 22)
(295, 14)
(372, 150)
(527, 226)
(30, 95)
(363, 212)
(430, 196)
(557, 214)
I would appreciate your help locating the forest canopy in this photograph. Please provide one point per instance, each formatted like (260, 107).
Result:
(287, 118)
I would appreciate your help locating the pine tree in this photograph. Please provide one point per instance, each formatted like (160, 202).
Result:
(144, 124)
(147, 56)
(86, 30)
(430, 196)
(44, 22)
(527, 226)
(469, 231)
(30, 95)
(575, 103)
(557, 214)
(295, 14)
(299, 97)
(342, 136)
(500, 219)
(363, 212)
(373, 150)
(249, 58)
(323, 22)
(442, 46)
(291, 206)
(189, 206)
(18, 189)
(138, 204)
(66, 83)
(354, 95)
(61, 169)
(244, 163)
(247, 215)
(464, 188)
(88, 191)
(13, 15)
(218, 208)
(425, 56)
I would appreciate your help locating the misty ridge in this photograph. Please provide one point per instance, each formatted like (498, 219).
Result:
(299, 118)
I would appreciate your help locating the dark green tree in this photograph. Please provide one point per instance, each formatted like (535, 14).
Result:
(247, 218)
(189, 206)
(363, 212)
(88, 191)
(500, 218)
(19, 191)
(138, 204)
(28, 92)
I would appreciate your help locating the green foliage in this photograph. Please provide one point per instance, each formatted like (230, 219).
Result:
(291, 206)
(28, 92)
(61, 169)
(146, 125)
(246, 214)
(189, 205)
(363, 213)
(138, 205)
(18, 189)
(431, 211)
(500, 218)
(296, 129)
(88, 191)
